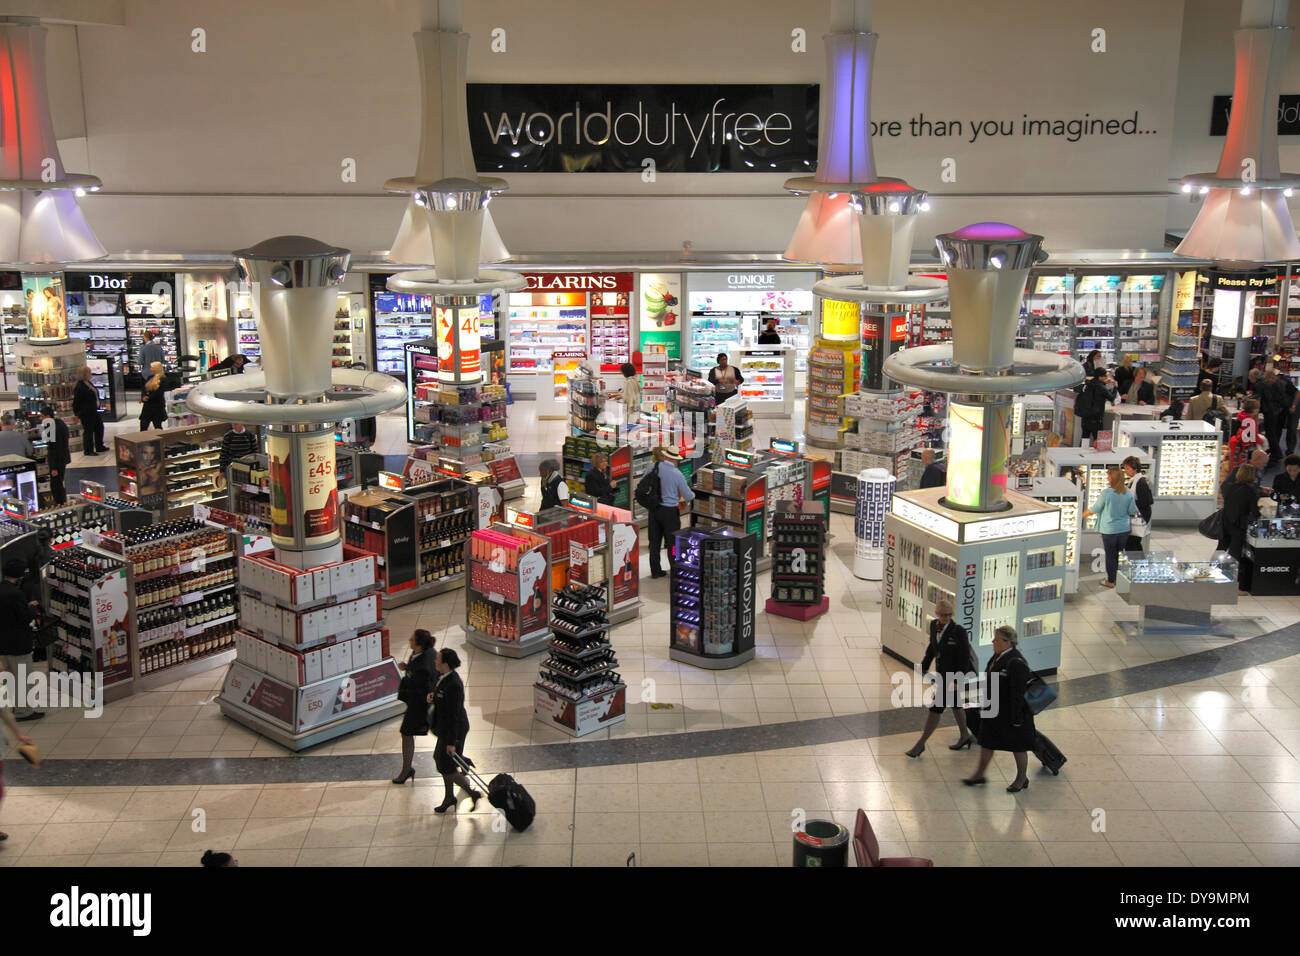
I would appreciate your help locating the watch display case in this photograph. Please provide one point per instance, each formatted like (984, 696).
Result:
(1271, 557)
(712, 598)
(1176, 594)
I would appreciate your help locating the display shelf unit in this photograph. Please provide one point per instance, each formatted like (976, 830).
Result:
(422, 385)
(1031, 421)
(103, 335)
(1068, 497)
(798, 561)
(735, 497)
(247, 338)
(768, 372)
(313, 658)
(1087, 469)
(712, 601)
(577, 689)
(711, 334)
(47, 374)
(13, 329)
(576, 460)
(1002, 568)
(691, 402)
(106, 377)
(1047, 313)
(178, 413)
(833, 372)
(508, 591)
(586, 402)
(884, 433)
(350, 334)
(731, 428)
(537, 330)
(654, 378)
(1185, 466)
(87, 593)
(172, 470)
(150, 313)
(248, 480)
(399, 318)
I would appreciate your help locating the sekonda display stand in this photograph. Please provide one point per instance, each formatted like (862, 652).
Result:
(714, 593)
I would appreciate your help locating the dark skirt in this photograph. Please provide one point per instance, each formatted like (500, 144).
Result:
(415, 722)
(997, 733)
(948, 692)
(443, 761)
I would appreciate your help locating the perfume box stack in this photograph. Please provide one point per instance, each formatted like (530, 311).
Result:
(304, 628)
(298, 668)
(296, 587)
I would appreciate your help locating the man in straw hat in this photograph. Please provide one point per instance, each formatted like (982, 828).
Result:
(674, 496)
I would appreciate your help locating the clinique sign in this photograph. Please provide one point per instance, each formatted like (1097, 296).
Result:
(607, 127)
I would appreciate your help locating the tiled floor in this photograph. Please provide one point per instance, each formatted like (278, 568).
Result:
(1198, 773)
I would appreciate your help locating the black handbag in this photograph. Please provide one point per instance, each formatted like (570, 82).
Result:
(1039, 695)
(404, 689)
(1212, 526)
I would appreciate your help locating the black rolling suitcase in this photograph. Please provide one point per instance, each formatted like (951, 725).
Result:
(507, 795)
(1048, 753)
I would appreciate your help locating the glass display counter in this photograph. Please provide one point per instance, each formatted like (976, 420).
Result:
(1176, 595)
(1272, 556)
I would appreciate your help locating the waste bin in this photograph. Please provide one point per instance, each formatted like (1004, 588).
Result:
(821, 843)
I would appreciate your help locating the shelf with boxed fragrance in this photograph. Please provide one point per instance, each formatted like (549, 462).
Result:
(170, 471)
(87, 592)
(834, 369)
(731, 427)
(1185, 466)
(884, 433)
(713, 598)
(798, 561)
(733, 496)
(313, 657)
(508, 590)
(577, 689)
(1005, 567)
(47, 375)
(1176, 596)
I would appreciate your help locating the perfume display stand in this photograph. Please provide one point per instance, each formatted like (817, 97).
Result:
(798, 561)
(578, 689)
(507, 590)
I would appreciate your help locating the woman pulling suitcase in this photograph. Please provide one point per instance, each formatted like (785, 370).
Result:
(450, 723)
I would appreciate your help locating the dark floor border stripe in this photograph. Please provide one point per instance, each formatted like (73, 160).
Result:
(304, 768)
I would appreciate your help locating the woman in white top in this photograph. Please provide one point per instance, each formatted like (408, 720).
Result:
(631, 395)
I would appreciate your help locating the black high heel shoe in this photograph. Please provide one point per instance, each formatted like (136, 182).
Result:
(403, 777)
(1014, 789)
(444, 806)
(962, 744)
(917, 754)
(974, 781)
(474, 798)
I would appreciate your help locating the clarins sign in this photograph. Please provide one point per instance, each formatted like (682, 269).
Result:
(572, 128)
(579, 281)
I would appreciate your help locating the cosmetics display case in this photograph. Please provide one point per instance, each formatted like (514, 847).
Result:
(713, 598)
(731, 428)
(421, 360)
(47, 374)
(577, 689)
(400, 318)
(769, 385)
(508, 590)
(170, 471)
(1185, 464)
(1005, 567)
(1176, 595)
(1270, 561)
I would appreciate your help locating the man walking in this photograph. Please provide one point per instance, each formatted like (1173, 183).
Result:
(150, 352)
(675, 496)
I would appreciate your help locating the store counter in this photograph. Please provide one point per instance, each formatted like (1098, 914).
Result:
(1176, 596)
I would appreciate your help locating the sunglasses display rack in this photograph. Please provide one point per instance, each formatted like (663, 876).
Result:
(1067, 496)
(712, 607)
(87, 592)
(578, 689)
(798, 561)
(1185, 466)
(1088, 469)
(507, 590)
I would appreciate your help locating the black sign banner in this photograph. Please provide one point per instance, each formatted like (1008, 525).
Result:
(1288, 115)
(606, 128)
(109, 282)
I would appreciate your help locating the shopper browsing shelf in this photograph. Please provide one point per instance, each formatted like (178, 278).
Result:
(1240, 508)
(236, 443)
(1006, 723)
(418, 678)
(631, 393)
(934, 475)
(1137, 485)
(1125, 374)
(232, 363)
(12, 441)
(1275, 404)
(598, 483)
(58, 454)
(150, 352)
(1203, 402)
(674, 495)
(950, 650)
(1287, 484)
(554, 487)
(769, 335)
(1090, 405)
(153, 400)
(85, 405)
(725, 379)
(450, 723)
(1114, 509)
(17, 611)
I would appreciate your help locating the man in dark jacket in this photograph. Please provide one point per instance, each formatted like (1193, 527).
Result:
(57, 454)
(236, 443)
(1273, 402)
(16, 645)
(555, 490)
(1090, 406)
(934, 475)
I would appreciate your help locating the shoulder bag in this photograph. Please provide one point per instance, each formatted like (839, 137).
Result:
(1039, 694)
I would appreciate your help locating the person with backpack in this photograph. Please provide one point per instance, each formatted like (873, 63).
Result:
(1090, 405)
(555, 489)
(1204, 401)
(664, 493)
